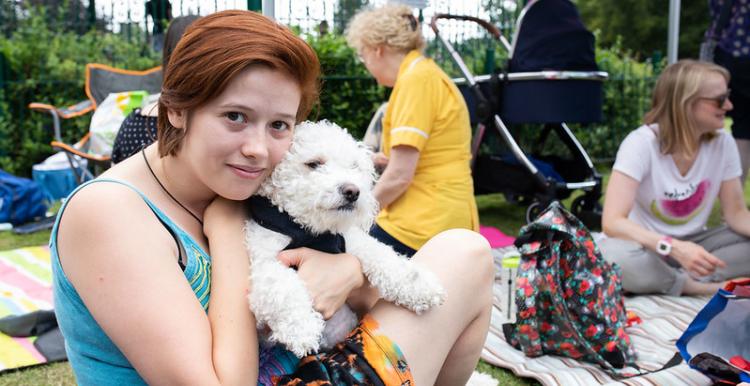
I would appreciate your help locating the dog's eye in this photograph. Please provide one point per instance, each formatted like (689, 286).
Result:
(314, 164)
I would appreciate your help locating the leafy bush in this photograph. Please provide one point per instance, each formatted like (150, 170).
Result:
(46, 64)
(627, 97)
(349, 95)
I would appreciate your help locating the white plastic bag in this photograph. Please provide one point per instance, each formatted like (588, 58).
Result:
(108, 117)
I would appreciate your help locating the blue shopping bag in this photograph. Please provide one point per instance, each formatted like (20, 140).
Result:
(717, 342)
(21, 199)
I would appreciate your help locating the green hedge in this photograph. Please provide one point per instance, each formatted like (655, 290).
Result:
(43, 64)
(627, 97)
(39, 63)
(349, 95)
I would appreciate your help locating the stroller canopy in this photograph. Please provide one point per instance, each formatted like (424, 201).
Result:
(551, 36)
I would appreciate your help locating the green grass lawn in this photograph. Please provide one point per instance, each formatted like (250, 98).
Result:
(494, 210)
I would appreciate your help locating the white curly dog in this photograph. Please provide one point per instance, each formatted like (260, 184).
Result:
(320, 196)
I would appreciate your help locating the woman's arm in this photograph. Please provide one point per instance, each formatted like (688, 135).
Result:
(123, 263)
(733, 206)
(232, 324)
(397, 175)
(619, 200)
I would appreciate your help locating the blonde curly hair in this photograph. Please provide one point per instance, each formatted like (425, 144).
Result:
(393, 25)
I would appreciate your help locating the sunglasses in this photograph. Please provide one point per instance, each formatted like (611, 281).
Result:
(719, 99)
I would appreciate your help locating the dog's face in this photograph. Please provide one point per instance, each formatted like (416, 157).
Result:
(325, 180)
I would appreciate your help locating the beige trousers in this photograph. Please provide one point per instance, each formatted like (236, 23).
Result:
(645, 271)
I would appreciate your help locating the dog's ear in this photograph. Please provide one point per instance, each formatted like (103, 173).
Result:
(366, 215)
(268, 185)
(266, 188)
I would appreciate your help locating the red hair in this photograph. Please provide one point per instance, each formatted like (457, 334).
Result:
(216, 48)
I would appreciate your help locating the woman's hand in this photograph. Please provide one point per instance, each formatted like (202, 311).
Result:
(222, 215)
(695, 258)
(380, 161)
(329, 278)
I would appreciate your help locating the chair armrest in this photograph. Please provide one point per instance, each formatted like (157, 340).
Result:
(75, 110)
(76, 149)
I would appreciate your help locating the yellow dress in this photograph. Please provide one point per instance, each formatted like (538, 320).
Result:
(427, 111)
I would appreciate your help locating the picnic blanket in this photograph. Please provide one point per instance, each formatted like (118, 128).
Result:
(25, 286)
(664, 320)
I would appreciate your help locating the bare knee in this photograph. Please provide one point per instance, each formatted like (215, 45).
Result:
(469, 257)
(470, 244)
(471, 241)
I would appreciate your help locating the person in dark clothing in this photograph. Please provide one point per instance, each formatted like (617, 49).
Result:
(138, 130)
(161, 13)
(733, 53)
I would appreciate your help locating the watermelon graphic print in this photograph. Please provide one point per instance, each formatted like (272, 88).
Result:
(679, 207)
(671, 200)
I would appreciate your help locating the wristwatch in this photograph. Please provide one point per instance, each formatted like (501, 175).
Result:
(664, 246)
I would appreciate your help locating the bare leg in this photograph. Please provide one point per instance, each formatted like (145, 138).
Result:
(443, 345)
(464, 355)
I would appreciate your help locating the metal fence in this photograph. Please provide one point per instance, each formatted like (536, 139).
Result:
(142, 17)
(627, 92)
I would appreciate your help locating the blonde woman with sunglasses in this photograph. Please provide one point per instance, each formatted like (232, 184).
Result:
(667, 175)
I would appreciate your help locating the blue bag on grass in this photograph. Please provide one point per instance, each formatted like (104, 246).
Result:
(21, 199)
(718, 339)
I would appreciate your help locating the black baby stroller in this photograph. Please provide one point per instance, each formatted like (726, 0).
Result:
(550, 78)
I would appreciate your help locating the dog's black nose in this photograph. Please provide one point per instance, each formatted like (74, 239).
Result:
(350, 192)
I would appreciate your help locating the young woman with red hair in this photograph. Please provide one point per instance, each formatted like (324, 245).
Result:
(132, 273)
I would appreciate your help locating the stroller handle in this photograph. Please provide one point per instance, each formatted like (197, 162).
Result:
(541, 75)
(494, 31)
(483, 106)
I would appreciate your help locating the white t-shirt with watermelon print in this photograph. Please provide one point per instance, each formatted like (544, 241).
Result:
(666, 201)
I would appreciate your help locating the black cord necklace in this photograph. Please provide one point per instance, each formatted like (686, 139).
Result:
(143, 152)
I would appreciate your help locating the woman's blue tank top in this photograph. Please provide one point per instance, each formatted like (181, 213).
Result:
(94, 357)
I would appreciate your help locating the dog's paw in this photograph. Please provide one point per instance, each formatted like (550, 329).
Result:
(425, 292)
(300, 340)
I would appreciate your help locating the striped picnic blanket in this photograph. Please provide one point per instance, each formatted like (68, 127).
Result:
(25, 286)
(664, 320)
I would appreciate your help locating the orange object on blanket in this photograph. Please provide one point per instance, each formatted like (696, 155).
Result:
(633, 319)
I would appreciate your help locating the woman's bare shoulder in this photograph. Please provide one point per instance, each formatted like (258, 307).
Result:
(105, 210)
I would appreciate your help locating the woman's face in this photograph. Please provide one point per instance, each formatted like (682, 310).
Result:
(375, 60)
(712, 104)
(234, 141)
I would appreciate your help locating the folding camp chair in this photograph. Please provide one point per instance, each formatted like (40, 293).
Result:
(101, 80)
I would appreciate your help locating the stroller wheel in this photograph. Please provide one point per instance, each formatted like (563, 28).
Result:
(533, 211)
